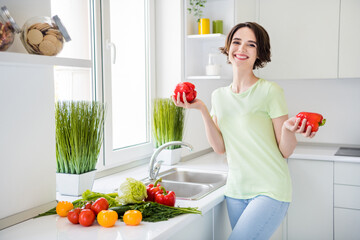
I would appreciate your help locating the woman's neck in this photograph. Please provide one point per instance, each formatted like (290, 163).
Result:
(242, 80)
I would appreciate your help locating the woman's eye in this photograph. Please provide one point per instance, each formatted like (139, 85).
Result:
(236, 42)
(252, 45)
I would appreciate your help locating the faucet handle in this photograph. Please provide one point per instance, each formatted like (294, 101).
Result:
(157, 168)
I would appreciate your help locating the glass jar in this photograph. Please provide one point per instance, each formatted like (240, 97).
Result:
(44, 35)
(8, 29)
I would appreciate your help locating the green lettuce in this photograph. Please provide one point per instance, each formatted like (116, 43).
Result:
(131, 191)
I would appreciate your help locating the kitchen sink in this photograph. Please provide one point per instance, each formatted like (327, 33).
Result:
(189, 184)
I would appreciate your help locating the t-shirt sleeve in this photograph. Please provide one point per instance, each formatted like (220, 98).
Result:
(276, 101)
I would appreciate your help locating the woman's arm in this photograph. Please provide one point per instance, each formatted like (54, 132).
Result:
(285, 129)
(212, 130)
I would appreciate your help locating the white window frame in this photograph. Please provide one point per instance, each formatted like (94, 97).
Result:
(102, 72)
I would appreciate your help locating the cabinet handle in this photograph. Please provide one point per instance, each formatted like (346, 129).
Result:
(112, 47)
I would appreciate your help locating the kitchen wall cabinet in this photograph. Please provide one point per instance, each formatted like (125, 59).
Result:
(310, 215)
(349, 48)
(304, 42)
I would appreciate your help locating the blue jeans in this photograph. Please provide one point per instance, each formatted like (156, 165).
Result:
(255, 218)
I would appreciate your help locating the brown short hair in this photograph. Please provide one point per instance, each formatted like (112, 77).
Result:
(262, 39)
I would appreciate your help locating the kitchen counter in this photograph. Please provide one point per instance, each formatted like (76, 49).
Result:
(55, 227)
(321, 152)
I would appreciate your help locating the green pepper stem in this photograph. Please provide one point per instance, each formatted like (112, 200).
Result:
(156, 182)
(322, 122)
(164, 191)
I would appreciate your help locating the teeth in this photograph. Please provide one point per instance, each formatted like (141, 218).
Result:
(241, 57)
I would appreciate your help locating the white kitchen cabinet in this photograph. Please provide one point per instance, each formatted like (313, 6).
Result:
(346, 201)
(347, 222)
(198, 47)
(222, 227)
(304, 43)
(349, 47)
(310, 215)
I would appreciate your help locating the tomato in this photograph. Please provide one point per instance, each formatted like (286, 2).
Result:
(63, 207)
(99, 205)
(87, 205)
(132, 217)
(107, 218)
(86, 217)
(73, 215)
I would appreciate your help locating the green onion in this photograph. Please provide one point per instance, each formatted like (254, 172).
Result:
(168, 122)
(79, 135)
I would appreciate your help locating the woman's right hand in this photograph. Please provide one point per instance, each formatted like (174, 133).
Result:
(196, 103)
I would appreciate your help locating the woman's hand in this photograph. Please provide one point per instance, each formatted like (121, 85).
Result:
(292, 125)
(196, 104)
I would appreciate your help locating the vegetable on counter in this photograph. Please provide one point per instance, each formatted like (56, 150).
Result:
(63, 207)
(315, 120)
(131, 191)
(154, 212)
(87, 217)
(151, 190)
(99, 205)
(73, 215)
(107, 218)
(132, 217)
(187, 88)
(164, 197)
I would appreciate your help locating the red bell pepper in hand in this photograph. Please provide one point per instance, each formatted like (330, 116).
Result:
(165, 197)
(315, 120)
(187, 88)
(151, 190)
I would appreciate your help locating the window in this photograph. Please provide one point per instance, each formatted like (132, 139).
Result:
(126, 78)
(115, 35)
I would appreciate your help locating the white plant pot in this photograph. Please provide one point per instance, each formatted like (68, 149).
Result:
(74, 184)
(170, 156)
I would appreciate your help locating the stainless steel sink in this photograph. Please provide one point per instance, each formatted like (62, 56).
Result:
(189, 184)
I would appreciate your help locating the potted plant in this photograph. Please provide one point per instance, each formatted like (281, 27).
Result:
(79, 136)
(168, 126)
(196, 9)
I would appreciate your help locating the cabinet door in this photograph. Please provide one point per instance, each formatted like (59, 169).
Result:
(347, 222)
(310, 215)
(349, 48)
(303, 37)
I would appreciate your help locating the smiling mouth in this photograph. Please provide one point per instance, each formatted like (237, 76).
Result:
(241, 56)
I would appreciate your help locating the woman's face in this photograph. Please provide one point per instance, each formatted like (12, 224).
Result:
(243, 48)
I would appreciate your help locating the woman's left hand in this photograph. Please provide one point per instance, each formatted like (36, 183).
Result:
(292, 124)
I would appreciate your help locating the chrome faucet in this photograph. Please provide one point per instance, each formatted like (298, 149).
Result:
(154, 170)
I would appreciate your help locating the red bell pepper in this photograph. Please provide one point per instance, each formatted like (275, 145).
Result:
(165, 197)
(315, 120)
(187, 88)
(151, 190)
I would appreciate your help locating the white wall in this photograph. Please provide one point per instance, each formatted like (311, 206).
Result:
(336, 99)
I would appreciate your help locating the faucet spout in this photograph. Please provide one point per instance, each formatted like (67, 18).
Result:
(154, 166)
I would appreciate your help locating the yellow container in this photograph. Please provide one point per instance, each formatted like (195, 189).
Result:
(204, 26)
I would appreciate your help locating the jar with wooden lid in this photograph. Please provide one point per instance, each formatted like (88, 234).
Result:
(8, 29)
(44, 36)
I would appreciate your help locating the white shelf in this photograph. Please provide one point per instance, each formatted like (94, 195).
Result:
(11, 58)
(207, 77)
(207, 36)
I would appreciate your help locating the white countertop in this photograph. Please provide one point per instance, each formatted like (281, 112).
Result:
(55, 227)
(59, 228)
(320, 152)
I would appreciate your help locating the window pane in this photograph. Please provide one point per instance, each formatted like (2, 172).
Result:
(128, 74)
(72, 84)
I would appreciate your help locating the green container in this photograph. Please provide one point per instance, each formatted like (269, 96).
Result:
(218, 26)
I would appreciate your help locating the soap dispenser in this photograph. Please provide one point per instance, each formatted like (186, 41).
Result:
(212, 69)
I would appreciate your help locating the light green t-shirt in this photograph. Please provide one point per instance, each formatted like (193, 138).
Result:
(256, 166)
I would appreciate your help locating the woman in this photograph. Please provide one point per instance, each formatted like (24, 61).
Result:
(249, 122)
